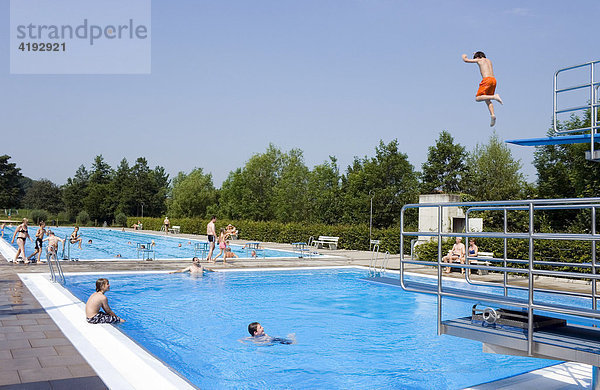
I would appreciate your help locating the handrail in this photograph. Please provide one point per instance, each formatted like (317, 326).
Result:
(586, 270)
(592, 104)
(374, 257)
(55, 276)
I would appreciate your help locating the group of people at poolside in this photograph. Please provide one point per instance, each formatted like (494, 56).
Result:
(458, 253)
(21, 234)
(222, 240)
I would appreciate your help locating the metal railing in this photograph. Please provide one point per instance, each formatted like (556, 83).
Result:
(593, 105)
(55, 276)
(505, 265)
(66, 252)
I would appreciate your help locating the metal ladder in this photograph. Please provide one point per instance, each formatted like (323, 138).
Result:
(533, 342)
(594, 104)
(55, 276)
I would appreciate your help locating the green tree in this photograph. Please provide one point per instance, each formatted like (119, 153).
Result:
(121, 190)
(290, 201)
(98, 205)
(324, 193)
(388, 177)
(445, 169)
(44, 195)
(248, 192)
(563, 171)
(192, 194)
(495, 174)
(161, 185)
(10, 186)
(149, 188)
(75, 191)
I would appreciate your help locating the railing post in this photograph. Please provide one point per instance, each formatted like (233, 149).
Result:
(530, 293)
(592, 111)
(439, 273)
(594, 281)
(402, 245)
(505, 252)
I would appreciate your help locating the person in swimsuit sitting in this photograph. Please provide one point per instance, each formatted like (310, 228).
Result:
(487, 88)
(229, 254)
(39, 237)
(75, 237)
(97, 301)
(473, 250)
(258, 335)
(194, 269)
(457, 253)
(53, 243)
(23, 235)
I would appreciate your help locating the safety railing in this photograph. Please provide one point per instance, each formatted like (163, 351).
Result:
(529, 266)
(593, 104)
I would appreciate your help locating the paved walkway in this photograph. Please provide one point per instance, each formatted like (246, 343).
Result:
(34, 353)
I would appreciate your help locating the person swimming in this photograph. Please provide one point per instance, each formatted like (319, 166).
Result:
(258, 336)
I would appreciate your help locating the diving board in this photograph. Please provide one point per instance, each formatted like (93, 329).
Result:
(561, 140)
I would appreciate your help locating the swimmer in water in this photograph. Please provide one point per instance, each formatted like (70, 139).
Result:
(258, 336)
(195, 269)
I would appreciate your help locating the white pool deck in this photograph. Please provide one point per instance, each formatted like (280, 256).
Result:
(123, 364)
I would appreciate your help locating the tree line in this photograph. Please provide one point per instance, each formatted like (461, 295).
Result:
(277, 185)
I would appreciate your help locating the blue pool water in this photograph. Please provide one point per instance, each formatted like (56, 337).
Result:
(350, 333)
(107, 243)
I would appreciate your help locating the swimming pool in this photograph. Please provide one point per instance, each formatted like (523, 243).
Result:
(350, 333)
(108, 243)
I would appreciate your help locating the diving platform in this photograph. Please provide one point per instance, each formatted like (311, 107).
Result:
(518, 308)
(562, 140)
(590, 133)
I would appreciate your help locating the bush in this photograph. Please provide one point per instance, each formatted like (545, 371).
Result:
(121, 220)
(83, 218)
(64, 217)
(38, 215)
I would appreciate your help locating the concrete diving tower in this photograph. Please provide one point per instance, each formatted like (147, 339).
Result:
(526, 304)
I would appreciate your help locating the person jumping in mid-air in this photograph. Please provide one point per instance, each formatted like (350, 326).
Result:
(487, 87)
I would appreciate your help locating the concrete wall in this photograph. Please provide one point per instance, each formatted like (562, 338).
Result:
(428, 216)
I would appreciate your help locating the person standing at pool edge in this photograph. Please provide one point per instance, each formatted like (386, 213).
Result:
(211, 233)
(487, 87)
(23, 235)
(167, 223)
(97, 301)
(39, 237)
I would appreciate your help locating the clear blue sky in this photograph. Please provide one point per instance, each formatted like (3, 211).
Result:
(328, 77)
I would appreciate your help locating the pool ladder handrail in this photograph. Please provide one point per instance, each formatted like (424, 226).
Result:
(507, 265)
(66, 245)
(55, 276)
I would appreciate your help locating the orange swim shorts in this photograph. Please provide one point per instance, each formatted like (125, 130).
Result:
(487, 86)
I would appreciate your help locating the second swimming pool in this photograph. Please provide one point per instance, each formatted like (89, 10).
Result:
(110, 243)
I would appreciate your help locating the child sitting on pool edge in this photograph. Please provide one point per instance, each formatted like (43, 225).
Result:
(97, 301)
